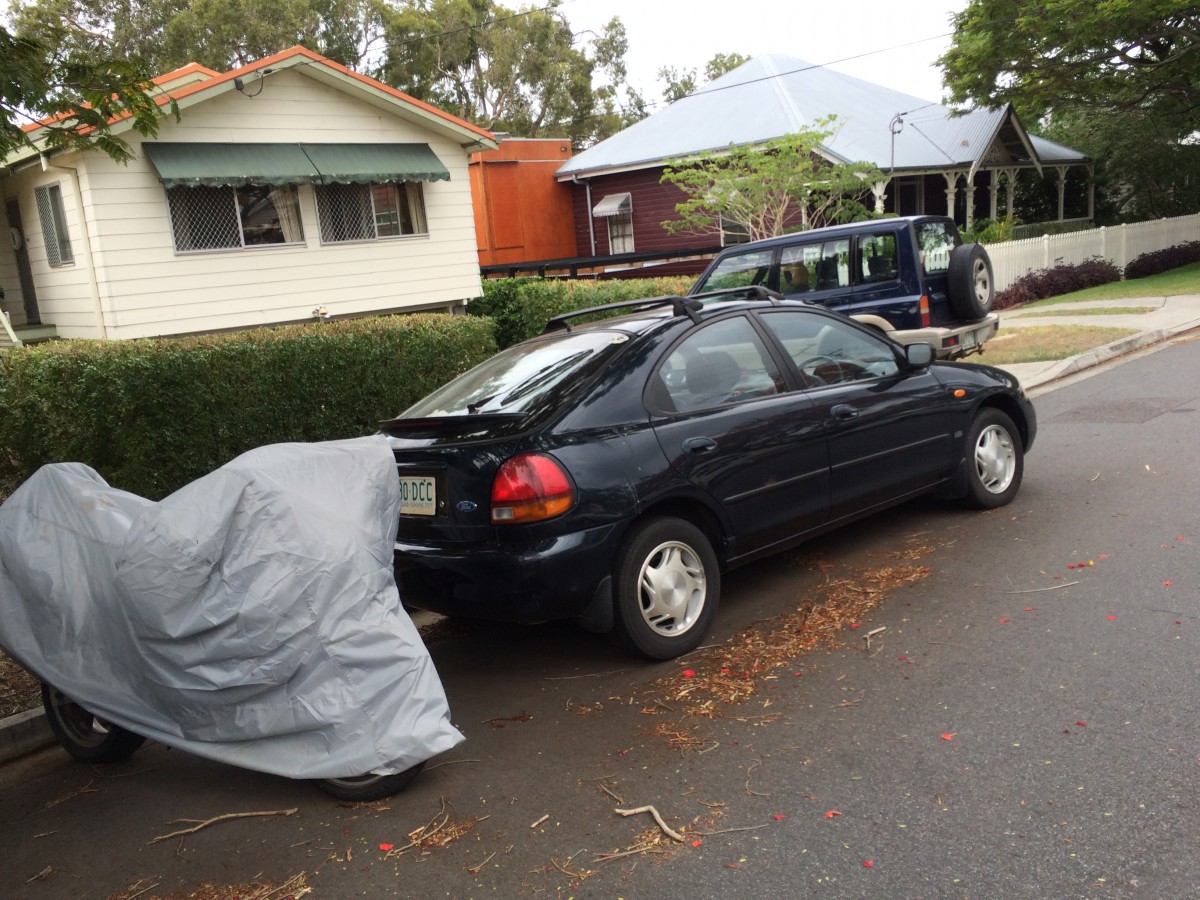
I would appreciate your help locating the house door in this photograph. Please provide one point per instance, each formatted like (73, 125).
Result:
(24, 273)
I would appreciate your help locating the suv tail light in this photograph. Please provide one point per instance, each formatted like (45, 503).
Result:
(923, 307)
(530, 488)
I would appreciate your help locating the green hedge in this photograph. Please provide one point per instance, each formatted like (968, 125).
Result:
(521, 307)
(152, 415)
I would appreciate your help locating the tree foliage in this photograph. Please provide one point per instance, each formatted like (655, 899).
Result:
(77, 86)
(678, 83)
(765, 187)
(1116, 79)
(219, 34)
(521, 72)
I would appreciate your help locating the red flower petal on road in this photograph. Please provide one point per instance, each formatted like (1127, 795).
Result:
(1081, 724)
(853, 624)
(832, 813)
(1180, 537)
(1167, 583)
(868, 864)
(949, 736)
(689, 673)
(1003, 621)
(1029, 609)
(1111, 618)
(697, 842)
(779, 816)
(386, 847)
(1070, 565)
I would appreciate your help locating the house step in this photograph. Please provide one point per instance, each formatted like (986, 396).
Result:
(26, 334)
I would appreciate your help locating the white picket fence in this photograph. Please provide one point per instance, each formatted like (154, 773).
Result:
(1119, 245)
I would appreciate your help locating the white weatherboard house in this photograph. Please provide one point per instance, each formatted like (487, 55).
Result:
(288, 189)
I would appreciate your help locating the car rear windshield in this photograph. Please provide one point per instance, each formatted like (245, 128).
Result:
(523, 379)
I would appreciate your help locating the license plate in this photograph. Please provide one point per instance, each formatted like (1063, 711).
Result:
(418, 495)
(968, 340)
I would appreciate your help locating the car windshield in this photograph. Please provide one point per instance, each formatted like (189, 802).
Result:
(521, 378)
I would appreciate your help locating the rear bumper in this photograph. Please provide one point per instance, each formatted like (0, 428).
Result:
(538, 581)
(955, 341)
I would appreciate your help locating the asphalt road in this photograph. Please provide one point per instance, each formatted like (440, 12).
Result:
(1024, 727)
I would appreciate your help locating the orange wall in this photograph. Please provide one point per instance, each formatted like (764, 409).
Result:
(521, 213)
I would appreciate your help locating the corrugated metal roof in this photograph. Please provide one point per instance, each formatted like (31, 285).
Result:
(771, 96)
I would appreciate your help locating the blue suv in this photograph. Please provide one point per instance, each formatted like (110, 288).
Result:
(911, 278)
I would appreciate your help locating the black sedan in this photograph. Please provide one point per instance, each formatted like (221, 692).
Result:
(610, 469)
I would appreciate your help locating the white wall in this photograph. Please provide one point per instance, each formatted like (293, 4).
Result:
(147, 289)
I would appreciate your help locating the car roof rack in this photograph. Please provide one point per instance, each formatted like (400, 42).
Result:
(680, 306)
(746, 292)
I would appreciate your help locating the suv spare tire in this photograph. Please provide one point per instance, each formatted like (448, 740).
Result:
(969, 281)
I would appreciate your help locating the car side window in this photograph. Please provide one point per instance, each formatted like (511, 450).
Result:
(833, 265)
(725, 362)
(829, 351)
(798, 269)
(877, 258)
(936, 240)
(740, 270)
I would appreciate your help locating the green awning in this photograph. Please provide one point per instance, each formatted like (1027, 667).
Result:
(215, 165)
(363, 163)
(219, 164)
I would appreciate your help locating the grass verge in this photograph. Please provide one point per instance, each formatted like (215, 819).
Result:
(1045, 343)
(1176, 282)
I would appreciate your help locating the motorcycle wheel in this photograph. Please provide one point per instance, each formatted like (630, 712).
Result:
(85, 736)
(365, 788)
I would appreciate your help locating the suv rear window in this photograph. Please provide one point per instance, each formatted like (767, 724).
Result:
(936, 240)
(741, 270)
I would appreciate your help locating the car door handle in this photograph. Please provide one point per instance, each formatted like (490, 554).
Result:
(843, 411)
(699, 445)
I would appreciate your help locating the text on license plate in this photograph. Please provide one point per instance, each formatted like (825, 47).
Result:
(418, 495)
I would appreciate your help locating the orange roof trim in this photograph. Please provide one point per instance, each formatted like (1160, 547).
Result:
(220, 78)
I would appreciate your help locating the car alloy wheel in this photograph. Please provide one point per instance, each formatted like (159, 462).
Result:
(994, 459)
(668, 585)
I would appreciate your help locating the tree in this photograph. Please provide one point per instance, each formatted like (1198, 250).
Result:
(765, 187)
(1117, 79)
(219, 34)
(524, 73)
(74, 85)
(677, 83)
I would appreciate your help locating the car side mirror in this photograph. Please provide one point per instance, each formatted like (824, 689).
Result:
(919, 355)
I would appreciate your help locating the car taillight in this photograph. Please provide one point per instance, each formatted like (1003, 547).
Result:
(924, 308)
(529, 488)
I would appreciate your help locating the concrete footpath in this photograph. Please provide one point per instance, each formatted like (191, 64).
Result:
(1165, 318)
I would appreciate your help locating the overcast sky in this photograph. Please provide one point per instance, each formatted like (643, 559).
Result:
(889, 42)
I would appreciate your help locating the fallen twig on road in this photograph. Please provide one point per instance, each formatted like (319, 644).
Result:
(204, 823)
(674, 835)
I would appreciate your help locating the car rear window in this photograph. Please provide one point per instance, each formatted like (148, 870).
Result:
(936, 240)
(522, 378)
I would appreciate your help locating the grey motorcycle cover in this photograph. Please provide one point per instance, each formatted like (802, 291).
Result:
(251, 617)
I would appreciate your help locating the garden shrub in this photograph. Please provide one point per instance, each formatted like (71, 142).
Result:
(1159, 261)
(521, 307)
(151, 415)
(1055, 281)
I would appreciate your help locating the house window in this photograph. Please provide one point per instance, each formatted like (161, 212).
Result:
(368, 212)
(229, 218)
(54, 225)
(733, 232)
(620, 233)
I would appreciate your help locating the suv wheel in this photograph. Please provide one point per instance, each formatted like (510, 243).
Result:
(969, 281)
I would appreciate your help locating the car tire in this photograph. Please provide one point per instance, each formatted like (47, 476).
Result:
(994, 460)
(667, 584)
(366, 788)
(86, 737)
(969, 282)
